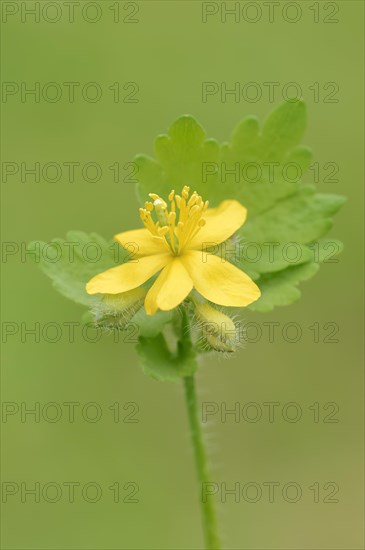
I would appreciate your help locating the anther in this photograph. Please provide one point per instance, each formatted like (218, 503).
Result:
(162, 231)
(193, 199)
(194, 210)
(185, 191)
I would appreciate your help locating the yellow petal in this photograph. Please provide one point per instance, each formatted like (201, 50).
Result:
(170, 288)
(221, 223)
(140, 242)
(219, 281)
(127, 276)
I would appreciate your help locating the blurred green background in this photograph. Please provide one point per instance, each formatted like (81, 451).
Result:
(168, 53)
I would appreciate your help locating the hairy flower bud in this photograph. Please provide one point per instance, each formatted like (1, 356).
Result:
(218, 330)
(114, 311)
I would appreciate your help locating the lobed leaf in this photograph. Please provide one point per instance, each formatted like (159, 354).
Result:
(79, 257)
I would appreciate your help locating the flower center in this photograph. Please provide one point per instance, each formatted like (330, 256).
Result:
(177, 223)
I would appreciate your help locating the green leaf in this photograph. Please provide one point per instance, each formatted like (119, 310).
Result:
(326, 250)
(150, 326)
(269, 257)
(180, 158)
(283, 130)
(280, 289)
(159, 362)
(185, 157)
(70, 263)
(284, 234)
(301, 218)
(265, 158)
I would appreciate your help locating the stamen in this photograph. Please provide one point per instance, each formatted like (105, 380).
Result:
(178, 222)
(185, 191)
(172, 217)
(162, 231)
(193, 210)
(193, 199)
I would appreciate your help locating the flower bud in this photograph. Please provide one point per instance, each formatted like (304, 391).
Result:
(218, 330)
(114, 311)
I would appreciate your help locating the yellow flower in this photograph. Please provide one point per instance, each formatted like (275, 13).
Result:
(175, 245)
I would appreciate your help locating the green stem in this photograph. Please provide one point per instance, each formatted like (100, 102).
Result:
(209, 519)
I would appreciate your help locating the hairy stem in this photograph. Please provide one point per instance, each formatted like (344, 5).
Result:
(209, 519)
